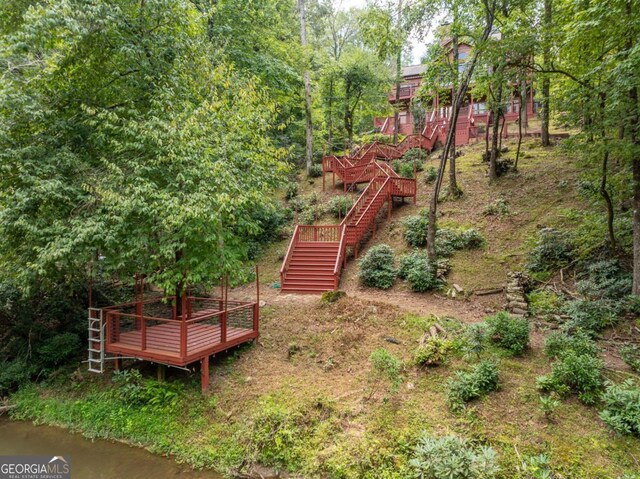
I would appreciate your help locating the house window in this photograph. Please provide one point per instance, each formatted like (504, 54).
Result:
(462, 55)
(479, 108)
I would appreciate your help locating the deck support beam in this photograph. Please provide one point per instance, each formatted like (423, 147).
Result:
(204, 374)
(161, 372)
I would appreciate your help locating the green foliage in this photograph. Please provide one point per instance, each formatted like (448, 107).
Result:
(466, 386)
(58, 349)
(405, 170)
(332, 296)
(537, 467)
(433, 352)
(416, 269)
(431, 175)
(146, 394)
(575, 373)
(552, 251)
(605, 280)
(591, 316)
(450, 240)
(291, 190)
(509, 332)
(622, 407)
(450, 457)
(315, 171)
(416, 154)
(387, 367)
(630, 354)
(499, 207)
(475, 339)
(415, 229)
(543, 302)
(548, 405)
(558, 344)
(340, 205)
(377, 268)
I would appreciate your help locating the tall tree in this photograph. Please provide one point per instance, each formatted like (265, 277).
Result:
(307, 87)
(546, 80)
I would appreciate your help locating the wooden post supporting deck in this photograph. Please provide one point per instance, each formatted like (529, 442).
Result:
(204, 374)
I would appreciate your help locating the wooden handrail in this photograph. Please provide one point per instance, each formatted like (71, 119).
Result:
(287, 257)
(372, 201)
(341, 252)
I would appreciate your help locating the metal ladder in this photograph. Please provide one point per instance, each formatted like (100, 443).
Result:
(96, 341)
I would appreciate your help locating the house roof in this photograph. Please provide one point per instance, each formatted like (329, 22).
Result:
(413, 70)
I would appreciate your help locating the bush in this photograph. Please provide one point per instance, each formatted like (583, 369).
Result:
(542, 302)
(605, 280)
(630, 354)
(575, 373)
(499, 207)
(315, 171)
(415, 154)
(450, 457)
(475, 339)
(431, 175)
(58, 349)
(622, 407)
(591, 316)
(416, 269)
(558, 344)
(552, 251)
(387, 367)
(415, 229)
(405, 170)
(340, 205)
(377, 267)
(466, 386)
(509, 332)
(449, 240)
(291, 190)
(433, 352)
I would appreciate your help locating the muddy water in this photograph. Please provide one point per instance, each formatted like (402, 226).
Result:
(90, 459)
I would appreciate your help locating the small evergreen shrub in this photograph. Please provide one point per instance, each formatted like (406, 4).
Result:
(315, 171)
(475, 339)
(622, 407)
(332, 296)
(591, 316)
(449, 241)
(548, 405)
(509, 332)
(552, 251)
(605, 280)
(416, 269)
(433, 352)
(405, 170)
(450, 457)
(543, 302)
(630, 354)
(415, 154)
(387, 367)
(377, 267)
(431, 175)
(415, 229)
(291, 190)
(340, 205)
(499, 207)
(466, 386)
(559, 343)
(575, 373)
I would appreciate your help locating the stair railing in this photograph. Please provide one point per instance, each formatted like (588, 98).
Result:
(287, 257)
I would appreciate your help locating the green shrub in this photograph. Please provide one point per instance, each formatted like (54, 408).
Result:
(377, 268)
(591, 316)
(146, 394)
(575, 373)
(475, 339)
(14, 374)
(414, 154)
(431, 175)
(499, 207)
(405, 170)
(450, 457)
(509, 332)
(387, 367)
(466, 386)
(291, 190)
(433, 352)
(315, 171)
(622, 407)
(630, 354)
(605, 280)
(449, 240)
(548, 405)
(58, 349)
(560, 343)
(415, 229)
(416, 269)
(332, 296)
(552, 251)
(543, 302)
(340, 205)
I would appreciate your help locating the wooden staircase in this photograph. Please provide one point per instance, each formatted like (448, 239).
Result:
(317, 253)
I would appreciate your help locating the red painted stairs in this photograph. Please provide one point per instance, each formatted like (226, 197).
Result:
(317, 253)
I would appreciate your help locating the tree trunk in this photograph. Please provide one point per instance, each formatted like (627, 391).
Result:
(454, 191)
(396, 113)
(461, 93)
(546, 81)
(330, 118)
(307, 87)
(493, 157)
(634, 135)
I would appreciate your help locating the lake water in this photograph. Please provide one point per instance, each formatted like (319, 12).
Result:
(97, 459)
